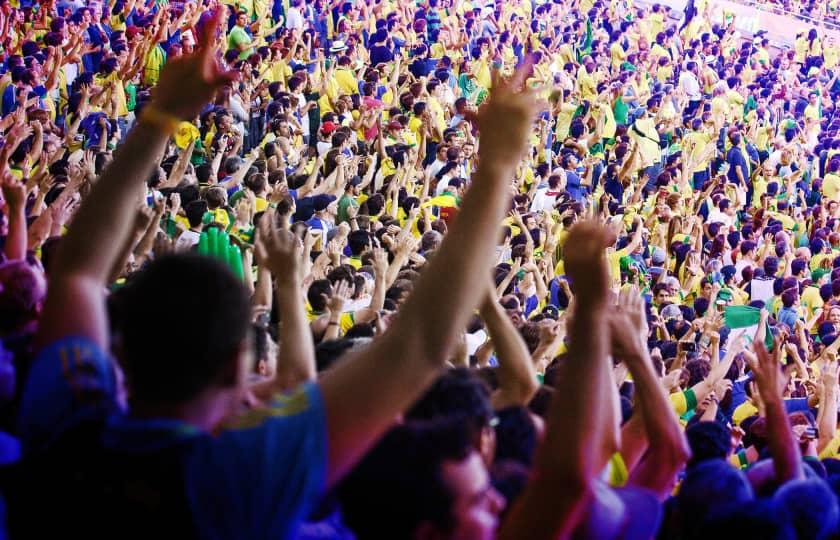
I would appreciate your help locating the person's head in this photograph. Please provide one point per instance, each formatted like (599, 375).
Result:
(708, 440)
(811, 507)
(459, 396)
(241, 18)
(207, 364)
(195, 211)
(421, 482)
(22, 292)
(708, 489)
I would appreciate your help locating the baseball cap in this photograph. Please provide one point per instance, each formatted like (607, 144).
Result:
(817, 274)
(328, 127)
(671, 311)
(321, 202)
(658, 256)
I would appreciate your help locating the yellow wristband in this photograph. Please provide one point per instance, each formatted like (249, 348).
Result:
(153, 116)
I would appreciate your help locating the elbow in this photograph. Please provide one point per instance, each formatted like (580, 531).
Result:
(527, 388)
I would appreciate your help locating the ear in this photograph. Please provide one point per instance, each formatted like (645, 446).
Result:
(487, 444)
(237, 366)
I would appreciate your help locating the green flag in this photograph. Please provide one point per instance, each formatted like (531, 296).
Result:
(743, 320)
(586, 47)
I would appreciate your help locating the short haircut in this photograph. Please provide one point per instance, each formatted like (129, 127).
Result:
(400, 484)
(202, 301)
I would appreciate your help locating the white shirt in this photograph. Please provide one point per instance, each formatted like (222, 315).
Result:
(186, 241)
(543, 200)
(294, 19)
(716, 216)
(690, 85)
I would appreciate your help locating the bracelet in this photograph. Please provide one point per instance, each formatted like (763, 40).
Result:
(165, 122)
(332, 323)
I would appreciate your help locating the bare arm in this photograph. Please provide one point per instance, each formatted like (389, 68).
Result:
(579, 432)
(280, 252)
(14, 197)
(667, 447)
(365, 392)
(787, 461)
(90, 249)
(517, 377)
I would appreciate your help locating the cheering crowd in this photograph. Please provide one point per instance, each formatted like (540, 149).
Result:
(368, 269)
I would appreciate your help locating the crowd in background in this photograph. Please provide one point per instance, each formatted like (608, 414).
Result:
(434, 269)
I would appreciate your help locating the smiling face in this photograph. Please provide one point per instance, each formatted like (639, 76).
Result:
(476, 504)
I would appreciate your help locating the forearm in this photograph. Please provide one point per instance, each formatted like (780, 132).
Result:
(787, 461)
(668, 449)
(15, 248)
(567, 460)
(827, 417)
(144, 246)
(89, 249)
(576, 430)
(296, 351)
(262, 291)
(517, 377)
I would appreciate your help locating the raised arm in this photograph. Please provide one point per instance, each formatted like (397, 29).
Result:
(89, 250)
(517, 377)
(364, 394)
(280, 252)
(667, 447)
(581, 428)
(787, 461)
(14, 197)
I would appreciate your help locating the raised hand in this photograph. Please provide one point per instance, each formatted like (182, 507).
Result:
(188, 82)
(14, 192)
(585, 262)
(279, 252)
(341, 292)
(505, 119)
(767, 372)
(380, 262)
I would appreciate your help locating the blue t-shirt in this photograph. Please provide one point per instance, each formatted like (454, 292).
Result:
(259, 480)
(735, 159)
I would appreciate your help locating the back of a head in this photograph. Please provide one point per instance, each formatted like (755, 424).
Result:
(760, 518)
(458, 394)
(181, 321)
(708, 440)
(709, 489)
(516, 436)
(811, 506)
(399, 485)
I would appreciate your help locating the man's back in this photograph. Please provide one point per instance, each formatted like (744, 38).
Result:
(95, 492)
(152, 474)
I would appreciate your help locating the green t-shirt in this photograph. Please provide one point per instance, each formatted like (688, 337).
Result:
(131, 96)
(620, 110)
(238, 36)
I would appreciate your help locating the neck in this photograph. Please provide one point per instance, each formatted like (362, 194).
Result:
(205, 411)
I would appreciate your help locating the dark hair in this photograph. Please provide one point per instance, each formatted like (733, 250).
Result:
(708, 440)
(516, 436)
(209, 337)
(400, 484)
(457, 395)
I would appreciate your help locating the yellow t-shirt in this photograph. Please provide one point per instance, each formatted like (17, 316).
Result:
(831, 186)
(683, 402)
